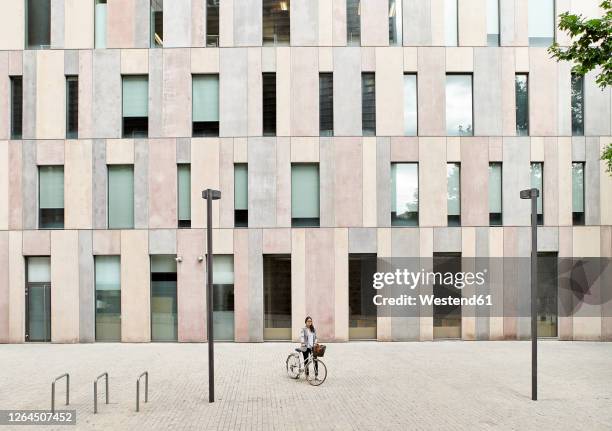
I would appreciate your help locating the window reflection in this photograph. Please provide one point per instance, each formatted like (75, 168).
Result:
(459, 105)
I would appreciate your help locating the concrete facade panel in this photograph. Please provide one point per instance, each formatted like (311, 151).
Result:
(177, 24)
(347, 182)
(12, 23)
(191, 296)
(516, 178)
(106, 242)
(543, 98)
(106, 103)
(16, 288)
(374, 23)
(433, 209)
(247, 23)
(472, 17)
(488, 96)
(262, 182)
(135, 287)
(87, 317)
(78, 177)
(65, 304)
(176, 100)
(163, 241)
(304, 92)
(79, 24)
(304, 22)
(204, 152)
(474, 180)
(4, 186)
(163, 187)
(36, 243)
(596, 107)
(389, 92)
(4, 288)
(233, 92)
(431, 92)
(347, 91)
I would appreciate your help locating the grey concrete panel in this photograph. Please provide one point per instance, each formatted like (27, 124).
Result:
(405, 328)
(506, 22)
(482, 313)
(86, 288)
(417, 22)
(592, 199)
(327, 215)
(255, 300)
(516, 159)
(304, 22)
(142, 26)
(71, 62)
(4, 287)
(162, 241)
(487, 92)
(405, 242)
(548, 239)
(262, 182)
(100, 178)
(247, 22)
(57, 24)
(141, 183)
(29, 184)
(177, 23)
(347, 91)
(29, 94)
(156, 88)
(183, 150)
(383, 181)
(106, 93)
(447, 240)
(596, 108)
(233, 114)
(362, 240)
(578, 149)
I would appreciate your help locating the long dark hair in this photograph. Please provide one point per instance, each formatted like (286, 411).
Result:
(312, 328)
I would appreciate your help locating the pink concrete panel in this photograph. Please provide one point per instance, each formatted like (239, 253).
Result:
(226, 180)
(508, 91)
(606, 252)
(50, 152)
(191, 295)
(79, 24)
(374, 23)
(50, 94)
(204, 154)
(176, 116)
(404, 149)
(4, 95)
(341, 291)
(36, 242)
(120, 23)
(85, 93)
(304, 92)
(551, 182)
(162, 184)
(566, 325)
(4, 185)
(78, 206)
(135, 286)
(276, 241)
(106, 242)
(495, 149)
(198, 23)
(348, 176)
(472, 16)
(12, 25)
(543, 93)
(15, 64)
(390, 91)
(431, 92)
(320, 279)
(474, 181)
(15, 198)
(432, 182)
(339, 23)
(241, 285)
(65, 286)
(283, 182)
(254, 90)
(16, 273)
(4, 287)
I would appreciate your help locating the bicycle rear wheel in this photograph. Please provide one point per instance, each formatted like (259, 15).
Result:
(293, 366)
(316, 372)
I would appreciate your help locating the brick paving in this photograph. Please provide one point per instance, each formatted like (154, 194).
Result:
(420, 386)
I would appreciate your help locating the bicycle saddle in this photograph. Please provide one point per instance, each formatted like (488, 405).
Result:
(297, 349)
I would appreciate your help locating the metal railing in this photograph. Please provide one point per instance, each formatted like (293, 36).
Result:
(105, 375)
(146, 376)
(53, 390)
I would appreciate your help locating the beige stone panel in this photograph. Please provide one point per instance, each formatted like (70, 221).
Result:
(496, 149)
(12, 22)
(106, 242)
(438, 26)
(283, 91)
(223, 241)
(304, 150)
(50, 152)
(325, 20)
(389, 91)
(348, 157)
(283, 182)
(16, 288)
(119, 151)
(254, 92)
(191, 296)
(176, 99)
(85, 93)
(240, 150)
(304, 92)
(472, 22)
(432, 181)
(459, 59)
(134, 61)
(226, 23)
(543, 94)
(163, 184)
(586, 241)
(298, 280)
(521, 59)
(339, 22)
(135, 287)
(78, 209)
(4, 185)
(374, 23)
(369, 182)
(36, 242)
(205, 154)
(50, 95)
(508, 92)
(564, 181)
(474, 183)
(404, 149)
(65, 286)
(605, 189)
(537, 149)
(431, 92)
(453, 149)
(268, 59)
(411, 62)
(276, 241)
(341, 294)
(79, 24)
(368, 59)
(204, 60)
(120, 23)
(326, 59)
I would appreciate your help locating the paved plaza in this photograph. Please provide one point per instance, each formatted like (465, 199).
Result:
(439, 385)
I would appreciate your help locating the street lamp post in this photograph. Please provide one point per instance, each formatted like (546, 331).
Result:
(210, 195)
(533, 194)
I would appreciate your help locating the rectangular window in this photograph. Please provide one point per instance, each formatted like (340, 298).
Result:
(51, 197)
(451, 23)
(362, 311)
(522, 104)
(164, 322)
(548, 294)
(395, 22)
(578, 193)
(453, 177)
(269, 104)
(353, 22)
(577, 105)
(135, 106)
(205, 105)
(495, 194)
(223, 297)
(120, 196)
(404, 194)
(277, 297)
(38, 24)
(537, 182)
(241, 195)
(493, 22)
(212, 23)
(72, 107)
(304, 194)
(368, 104)
(326, 104)
(16, 107)
(157, 23)
(184, 195)
(410, 105)
(38, 299)
(446, 318)
(100, 24)
(108, 298)
(276, 22)
(459, 105)
(541, 22)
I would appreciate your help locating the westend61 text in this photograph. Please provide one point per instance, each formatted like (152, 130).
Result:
(408, 300)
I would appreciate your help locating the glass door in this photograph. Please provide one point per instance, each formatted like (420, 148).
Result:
(38, 312)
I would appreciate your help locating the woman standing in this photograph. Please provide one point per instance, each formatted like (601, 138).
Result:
(308, 338)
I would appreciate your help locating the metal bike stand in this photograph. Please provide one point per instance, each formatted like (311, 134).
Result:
(105, 375)
(146, 376)
(53, 390)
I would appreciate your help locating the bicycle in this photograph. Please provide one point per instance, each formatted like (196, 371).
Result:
(315, 369)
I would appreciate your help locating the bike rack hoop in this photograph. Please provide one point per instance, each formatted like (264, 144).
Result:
(105, 375)
(53, 390)
(146, 376)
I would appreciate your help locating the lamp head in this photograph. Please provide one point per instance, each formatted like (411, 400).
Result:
(214, 194)
(529, 193)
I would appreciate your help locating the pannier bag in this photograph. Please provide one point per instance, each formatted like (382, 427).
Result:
(319, 349)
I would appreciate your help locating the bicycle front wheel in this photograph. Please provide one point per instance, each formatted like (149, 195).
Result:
(316, 372)
(293, 366)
